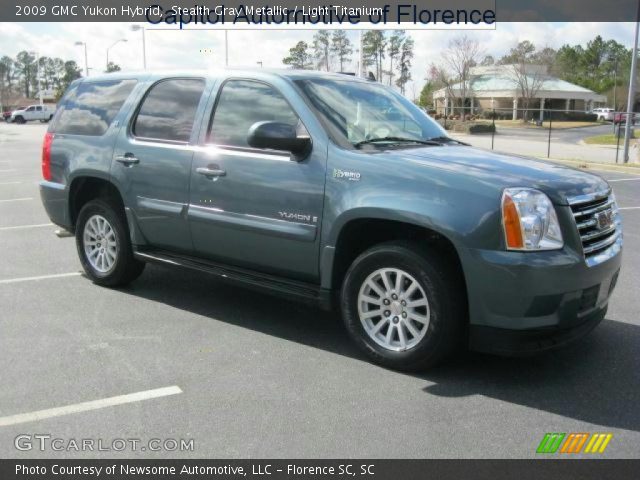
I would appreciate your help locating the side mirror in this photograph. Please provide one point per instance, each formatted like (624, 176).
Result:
(277, 136)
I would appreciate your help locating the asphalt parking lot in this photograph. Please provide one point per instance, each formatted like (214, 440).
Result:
(257, 377)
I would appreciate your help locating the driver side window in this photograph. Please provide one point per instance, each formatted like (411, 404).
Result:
(241, 103)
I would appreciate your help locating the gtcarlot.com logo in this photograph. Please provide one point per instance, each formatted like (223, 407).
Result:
(574, 443)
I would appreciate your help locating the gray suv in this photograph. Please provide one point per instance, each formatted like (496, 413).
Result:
(337, 191)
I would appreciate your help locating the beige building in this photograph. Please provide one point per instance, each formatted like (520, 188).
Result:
(497, 87)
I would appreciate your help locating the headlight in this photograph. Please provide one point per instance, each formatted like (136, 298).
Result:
(529, 220)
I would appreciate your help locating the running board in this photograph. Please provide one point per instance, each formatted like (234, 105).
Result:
(291, 289)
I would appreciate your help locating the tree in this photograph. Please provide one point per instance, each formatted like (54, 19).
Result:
(71, 73)
(321, 47)
(113, 67)
(341, 47)
(460, 56)
(394, 46)
(528, 80)
(299, 57)
(6, 77)
(374, 44)
(26, 67)
(404, 66)
(488, 61)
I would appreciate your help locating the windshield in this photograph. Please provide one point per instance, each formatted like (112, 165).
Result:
(358, 113)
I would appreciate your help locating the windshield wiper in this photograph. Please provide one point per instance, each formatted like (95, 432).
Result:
(449, 139)
(397, 140)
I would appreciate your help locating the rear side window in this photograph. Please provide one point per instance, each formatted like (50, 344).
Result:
(90, 109)
(169, 109)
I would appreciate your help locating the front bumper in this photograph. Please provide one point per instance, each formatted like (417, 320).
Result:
(521, 302)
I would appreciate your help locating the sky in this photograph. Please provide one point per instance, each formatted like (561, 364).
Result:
(175, 49)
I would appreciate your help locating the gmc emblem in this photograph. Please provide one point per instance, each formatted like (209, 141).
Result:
(604, 219)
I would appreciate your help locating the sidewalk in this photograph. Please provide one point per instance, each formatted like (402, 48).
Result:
(538, 148)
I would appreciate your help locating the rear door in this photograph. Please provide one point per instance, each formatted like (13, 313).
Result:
(152, 159)
(263, 210)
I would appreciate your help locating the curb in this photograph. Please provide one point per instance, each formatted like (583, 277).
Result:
(630, 169)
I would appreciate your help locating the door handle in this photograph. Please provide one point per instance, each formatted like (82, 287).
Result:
(211, 172)
(127, 159)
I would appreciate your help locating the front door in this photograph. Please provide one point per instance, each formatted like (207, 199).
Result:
(152, 160)
(254, 207)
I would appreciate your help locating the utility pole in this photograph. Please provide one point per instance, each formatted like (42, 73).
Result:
(226, 48)
(632, 90)
(361, 58)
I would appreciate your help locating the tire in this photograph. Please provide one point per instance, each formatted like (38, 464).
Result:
(20, 120)
(444, 317)
(113, 265)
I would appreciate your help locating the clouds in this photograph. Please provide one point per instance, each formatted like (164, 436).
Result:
(180, 49)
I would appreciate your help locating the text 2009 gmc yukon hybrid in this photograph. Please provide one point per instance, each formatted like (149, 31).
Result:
(321, 187)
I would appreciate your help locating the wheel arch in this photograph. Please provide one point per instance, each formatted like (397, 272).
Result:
(352, 234)
(86, 187)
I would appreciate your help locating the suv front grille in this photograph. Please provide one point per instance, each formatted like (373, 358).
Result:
(599, 226)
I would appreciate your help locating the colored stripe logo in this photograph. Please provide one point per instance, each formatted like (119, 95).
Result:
(574, 443)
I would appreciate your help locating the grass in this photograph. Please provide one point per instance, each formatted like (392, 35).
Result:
(609, 139)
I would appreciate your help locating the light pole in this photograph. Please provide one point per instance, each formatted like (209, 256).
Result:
(135, 28)
(632, 90)
(86, 63)
(38, 75)
(259, 63)
(113, 45)
(615, 85)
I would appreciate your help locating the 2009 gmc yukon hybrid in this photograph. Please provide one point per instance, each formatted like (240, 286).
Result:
(322, 187)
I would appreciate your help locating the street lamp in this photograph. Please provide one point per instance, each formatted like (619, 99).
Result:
(38, 75)
(113, 45)
(86, 63)
(259, 63)
(135, 28)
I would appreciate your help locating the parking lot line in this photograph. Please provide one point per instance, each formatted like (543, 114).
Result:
(41, 277)
(628, 208)
(624, 180)
(20, 227)
(9, 183)
(87, 406)
(16, 199)
(9, 170)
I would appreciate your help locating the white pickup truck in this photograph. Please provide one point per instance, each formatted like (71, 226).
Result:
(44, 113)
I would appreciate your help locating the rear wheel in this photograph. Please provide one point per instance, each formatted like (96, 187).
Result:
(104, 246)
(404, 306)
(20, 120)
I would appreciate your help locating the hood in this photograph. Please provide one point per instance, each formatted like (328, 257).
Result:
(556, 181)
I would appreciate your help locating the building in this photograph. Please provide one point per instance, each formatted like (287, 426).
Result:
(498, 87)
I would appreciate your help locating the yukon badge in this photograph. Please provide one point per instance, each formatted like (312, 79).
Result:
(351, 176)
(298, 217)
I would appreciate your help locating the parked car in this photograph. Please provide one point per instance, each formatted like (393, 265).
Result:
(604, 113)
(44, 113)
(336, 191)
(621, 118)
(6, 115)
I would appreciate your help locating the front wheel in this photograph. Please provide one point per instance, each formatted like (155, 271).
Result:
(404, 306)
(103, 244)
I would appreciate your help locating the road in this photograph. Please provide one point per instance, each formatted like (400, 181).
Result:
(253, 376)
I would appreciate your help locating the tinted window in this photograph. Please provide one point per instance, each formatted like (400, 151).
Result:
(169, 110)
(90, 109)
(243, 103)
